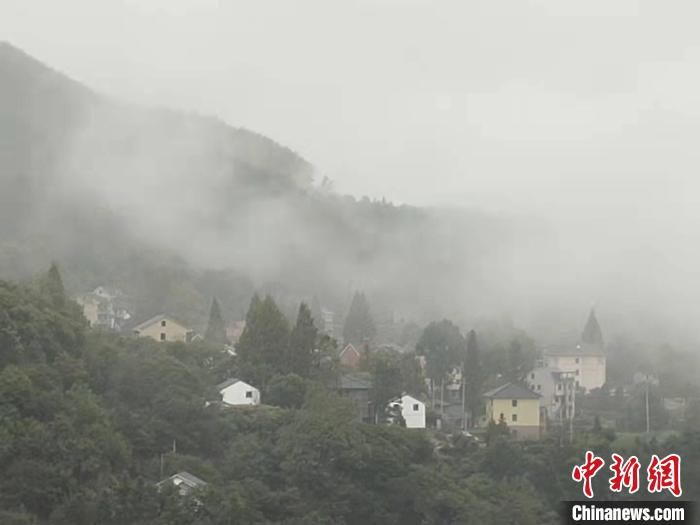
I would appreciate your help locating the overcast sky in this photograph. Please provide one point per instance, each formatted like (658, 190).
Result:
(545, 106)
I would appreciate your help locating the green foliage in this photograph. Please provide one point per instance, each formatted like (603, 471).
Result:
(286, 391)
(359, 325)
(473, 377)
(442, 344)
(302, 343)
(262, 348)
(216, 328)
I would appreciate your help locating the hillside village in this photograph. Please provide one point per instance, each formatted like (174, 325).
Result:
(554, 393)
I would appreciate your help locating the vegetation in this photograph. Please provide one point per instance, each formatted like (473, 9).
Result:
(89, 422)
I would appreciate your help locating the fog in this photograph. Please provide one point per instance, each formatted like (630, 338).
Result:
(573, 123)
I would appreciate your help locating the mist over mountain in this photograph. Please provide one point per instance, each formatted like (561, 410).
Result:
(175, 207)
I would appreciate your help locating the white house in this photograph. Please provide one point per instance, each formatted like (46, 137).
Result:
(235, 392)
(586, 362)
(412, 410)
(184, 482)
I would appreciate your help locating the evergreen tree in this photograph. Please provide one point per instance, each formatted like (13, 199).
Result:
(516, 365)
(359, 325)
(53, 286)
(263, 344)
(216, 328)
(442, 344)
(473, 377)
(302, 343)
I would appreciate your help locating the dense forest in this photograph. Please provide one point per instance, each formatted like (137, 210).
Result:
(90, 422)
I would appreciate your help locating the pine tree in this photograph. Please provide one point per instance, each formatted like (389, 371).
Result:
(53, 286)
(359, 325)
(516, 366)
(263, 344)
(302, 343)
(216, 328)
(473, 376)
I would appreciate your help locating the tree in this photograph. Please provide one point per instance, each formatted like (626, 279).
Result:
(517, 363)
(53, 286)
(442, 345)
(286, 391)
(472, 377)
(302, 343)
(216, 328)
(262, 348)
(386, 383)
(359, 325)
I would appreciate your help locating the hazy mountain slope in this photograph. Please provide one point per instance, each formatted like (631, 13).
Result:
(139, 197)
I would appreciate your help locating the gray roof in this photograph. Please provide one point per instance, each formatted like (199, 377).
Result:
(511, 391)
(580, 349)
(156, 319)
(189, 479)
(227, 383)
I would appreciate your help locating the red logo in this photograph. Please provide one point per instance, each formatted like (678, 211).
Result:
(625, 474)
(662, 474)
(665, 474)
(587, 472)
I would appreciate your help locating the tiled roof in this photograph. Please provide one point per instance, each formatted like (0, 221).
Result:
(511, 391)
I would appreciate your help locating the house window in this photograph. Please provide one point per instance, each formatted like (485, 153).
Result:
(162, 323)
(532, 376)
(415, 407)
(514, 402)
(577, 372)
(577, 360)
(162, 336)
(249, 394)
(558, 387)
(514, 418)
(539, 387)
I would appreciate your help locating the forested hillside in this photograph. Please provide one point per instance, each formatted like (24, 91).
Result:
(89, 423)
(169, 206)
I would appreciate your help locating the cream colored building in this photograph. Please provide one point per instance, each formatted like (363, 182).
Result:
(164, 328)
(586, 362)
(518, 406)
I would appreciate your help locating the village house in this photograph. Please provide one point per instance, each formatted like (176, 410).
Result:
(356, 387)
(104, 308)
(163, 328)
(412, 410)
(234, 329)
(350, 357)
(235, 392)
(185, 483)
(518, 406)
(558, 391)
(586, 360)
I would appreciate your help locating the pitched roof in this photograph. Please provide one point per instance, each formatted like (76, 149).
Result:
(592, 334)
(581, 349)
(511, 391)
(227, 383)
(189, 479)
(349, 347)
(156, 319)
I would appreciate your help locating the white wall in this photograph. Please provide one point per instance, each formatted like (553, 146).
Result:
(237, 394)
(413, 412)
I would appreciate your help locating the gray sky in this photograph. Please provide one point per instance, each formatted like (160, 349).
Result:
(536, 106)
(583, 112)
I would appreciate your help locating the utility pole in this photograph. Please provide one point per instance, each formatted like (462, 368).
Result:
(464, 400)
(646, 396)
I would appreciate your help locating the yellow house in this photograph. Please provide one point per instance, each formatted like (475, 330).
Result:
(163, 328)
(518, 406)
